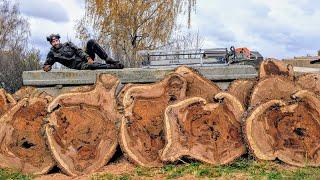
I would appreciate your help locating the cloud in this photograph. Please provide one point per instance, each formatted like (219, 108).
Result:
(275, 28)
(45, 9)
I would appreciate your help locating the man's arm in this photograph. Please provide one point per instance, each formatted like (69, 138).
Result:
(49, 62)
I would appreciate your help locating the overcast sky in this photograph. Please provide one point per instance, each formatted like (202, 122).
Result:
(276, 28)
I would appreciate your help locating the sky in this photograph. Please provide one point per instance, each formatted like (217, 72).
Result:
(275, 28)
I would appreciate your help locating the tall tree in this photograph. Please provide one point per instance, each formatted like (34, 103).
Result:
(128, 26)
(15, 56)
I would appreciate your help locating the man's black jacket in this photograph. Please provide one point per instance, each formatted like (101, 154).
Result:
(68, 55)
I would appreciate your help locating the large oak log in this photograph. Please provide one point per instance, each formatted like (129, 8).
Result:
(82, 134)
(198, 86)
(310, 82)
(275, 67)
(273, 87)
(25, 92)
(6, 101)
(209, 132)
(287, 131)
(23, 145)
(242, 89)
(141, 130)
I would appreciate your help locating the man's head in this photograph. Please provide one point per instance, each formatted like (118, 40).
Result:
(54, 40)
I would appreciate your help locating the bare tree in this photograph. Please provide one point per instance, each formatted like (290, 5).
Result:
(15, 57)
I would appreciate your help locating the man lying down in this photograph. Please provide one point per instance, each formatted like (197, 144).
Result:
(73, 57)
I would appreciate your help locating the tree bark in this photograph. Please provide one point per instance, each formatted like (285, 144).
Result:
(242, 90)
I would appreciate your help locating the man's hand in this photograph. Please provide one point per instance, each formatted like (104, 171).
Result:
(47, 68)
(90, 60)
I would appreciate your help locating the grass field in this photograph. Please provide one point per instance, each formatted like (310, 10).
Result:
(240, 169)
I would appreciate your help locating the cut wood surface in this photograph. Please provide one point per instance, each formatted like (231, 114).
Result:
(198, 86)
(141, 131)
(287, 131)
(242, 89)
(6, 101)
(209, 132)
(81, 132)
(274, 87)
(275, 67)
(310, 82)
(24, 92)
(22, 143)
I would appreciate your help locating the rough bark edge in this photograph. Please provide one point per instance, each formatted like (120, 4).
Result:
(233, 83)
(247, 124)
(182, 70)
(9, 115)
(127, 101)
(8, 99)
(168, 132)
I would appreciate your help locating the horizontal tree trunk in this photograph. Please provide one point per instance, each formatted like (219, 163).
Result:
(209, 132)
(287, 131)
(275, 67)
(141, 131)
(81, 132)
(23, 146)
(242, 90)
(6, 101)
(310, 82)
(274, 87)
(198, 86)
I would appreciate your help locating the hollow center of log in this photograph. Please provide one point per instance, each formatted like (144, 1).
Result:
(146, 127)
(27, 139)
(296, 131)
(211, 128)
(80, 130)
(272, 69)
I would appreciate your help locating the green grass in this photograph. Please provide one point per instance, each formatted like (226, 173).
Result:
(246, 168)
(10, 174)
